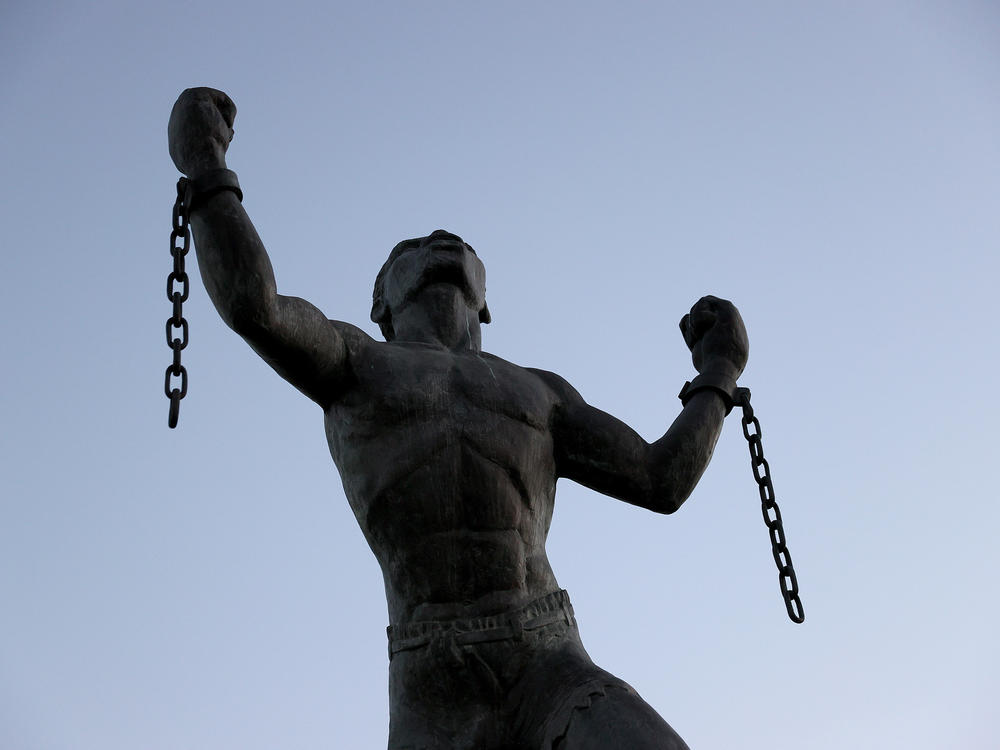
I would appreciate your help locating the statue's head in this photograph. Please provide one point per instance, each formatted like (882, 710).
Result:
(440, 257)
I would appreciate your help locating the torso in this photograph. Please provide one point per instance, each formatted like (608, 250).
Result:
(446, 459)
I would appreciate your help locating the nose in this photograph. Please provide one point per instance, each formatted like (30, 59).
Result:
(440, 234)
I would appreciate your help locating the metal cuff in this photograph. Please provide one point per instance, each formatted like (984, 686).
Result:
(210, 183)
(724, 386)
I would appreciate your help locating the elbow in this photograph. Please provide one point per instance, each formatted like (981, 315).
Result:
(666, 504)
(665, 498)
(249, 321)
(672, 479)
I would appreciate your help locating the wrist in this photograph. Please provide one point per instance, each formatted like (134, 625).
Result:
(723, 384)
(199, 169)
(201, 188)
(721, 367)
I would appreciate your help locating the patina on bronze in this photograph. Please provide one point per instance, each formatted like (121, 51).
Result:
(449, 458)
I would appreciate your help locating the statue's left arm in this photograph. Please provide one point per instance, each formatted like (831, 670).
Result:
(601, 452)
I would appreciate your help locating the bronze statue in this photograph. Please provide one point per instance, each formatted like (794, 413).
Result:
(449, 458)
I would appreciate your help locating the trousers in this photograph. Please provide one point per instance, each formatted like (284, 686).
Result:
(519, 680)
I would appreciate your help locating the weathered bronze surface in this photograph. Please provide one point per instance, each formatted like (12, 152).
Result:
(449, 458)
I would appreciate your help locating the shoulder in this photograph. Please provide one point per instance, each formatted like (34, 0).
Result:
(354, 337)
(359, 348)
(558, 385)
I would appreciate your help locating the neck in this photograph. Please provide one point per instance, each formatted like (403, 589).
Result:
(439, 315)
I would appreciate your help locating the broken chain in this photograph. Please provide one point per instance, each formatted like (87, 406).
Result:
(769, 508)
(178, 288)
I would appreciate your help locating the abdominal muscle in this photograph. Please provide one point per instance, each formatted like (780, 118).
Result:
(463, 574)
(475, 551)
(452, 480)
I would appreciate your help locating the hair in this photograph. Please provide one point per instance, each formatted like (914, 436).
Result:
(380, 311)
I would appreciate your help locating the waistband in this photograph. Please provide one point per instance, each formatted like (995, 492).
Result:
(546, 610)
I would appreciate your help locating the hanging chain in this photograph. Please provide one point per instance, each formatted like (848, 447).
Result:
(178, 288)
(769, 508)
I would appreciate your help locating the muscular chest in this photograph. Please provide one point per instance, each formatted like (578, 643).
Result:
(409, 384)
(444, 440)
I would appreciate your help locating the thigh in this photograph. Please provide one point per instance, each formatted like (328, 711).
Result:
(619, 718)
(441, 697)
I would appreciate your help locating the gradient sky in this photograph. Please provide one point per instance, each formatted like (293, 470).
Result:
(833, 168)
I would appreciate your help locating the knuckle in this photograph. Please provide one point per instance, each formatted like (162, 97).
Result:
(702, 316)
(727, 308)
(706, 303)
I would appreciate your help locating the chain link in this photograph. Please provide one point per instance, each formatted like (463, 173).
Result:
(178, 289)
(769, 509)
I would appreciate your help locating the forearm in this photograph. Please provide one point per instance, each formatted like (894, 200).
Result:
(717, 337)
(233, 262)
(677, 460)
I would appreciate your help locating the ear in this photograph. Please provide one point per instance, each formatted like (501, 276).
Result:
(380, 314)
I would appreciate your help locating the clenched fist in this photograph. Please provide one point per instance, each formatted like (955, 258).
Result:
(200, 129)
(716, 336)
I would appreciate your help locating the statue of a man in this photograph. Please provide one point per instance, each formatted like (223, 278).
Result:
(449, 458)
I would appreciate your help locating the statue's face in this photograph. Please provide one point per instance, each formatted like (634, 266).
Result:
(440, 258)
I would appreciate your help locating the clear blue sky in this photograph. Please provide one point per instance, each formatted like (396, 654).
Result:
(833, 168)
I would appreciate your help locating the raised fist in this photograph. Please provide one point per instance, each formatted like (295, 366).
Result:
(200, 129)
(716, 336)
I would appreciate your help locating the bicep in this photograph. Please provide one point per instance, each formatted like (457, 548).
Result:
(596, 449)
(308, 350)
(601, 452)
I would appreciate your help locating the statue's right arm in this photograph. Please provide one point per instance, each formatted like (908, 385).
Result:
(290, 334)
